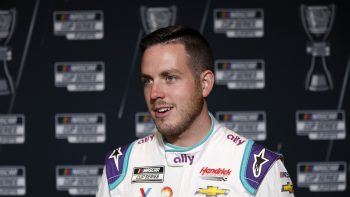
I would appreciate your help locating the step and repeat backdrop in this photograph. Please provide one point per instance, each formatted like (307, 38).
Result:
(70, 88)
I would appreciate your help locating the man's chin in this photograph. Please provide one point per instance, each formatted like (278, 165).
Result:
(168, 131)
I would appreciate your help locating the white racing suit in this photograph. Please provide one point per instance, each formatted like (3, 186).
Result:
(222, 164)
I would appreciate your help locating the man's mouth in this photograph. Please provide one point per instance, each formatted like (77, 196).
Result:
(163, 110)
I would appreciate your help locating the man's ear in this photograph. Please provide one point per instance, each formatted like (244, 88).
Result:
(207, 82)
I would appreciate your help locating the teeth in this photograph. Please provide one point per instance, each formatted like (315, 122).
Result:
(163, 110)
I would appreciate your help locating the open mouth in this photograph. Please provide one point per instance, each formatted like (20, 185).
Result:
(161, 112)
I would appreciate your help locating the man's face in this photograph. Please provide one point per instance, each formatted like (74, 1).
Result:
(173, 95)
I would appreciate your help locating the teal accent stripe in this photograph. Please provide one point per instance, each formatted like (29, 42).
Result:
(185, 149)
(244, 165)
(125, 168)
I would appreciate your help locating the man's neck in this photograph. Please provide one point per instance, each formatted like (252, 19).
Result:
(195, 133)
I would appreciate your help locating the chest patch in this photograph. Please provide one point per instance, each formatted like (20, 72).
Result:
(150, 174)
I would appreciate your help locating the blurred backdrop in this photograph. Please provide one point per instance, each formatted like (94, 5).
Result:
(70, 88)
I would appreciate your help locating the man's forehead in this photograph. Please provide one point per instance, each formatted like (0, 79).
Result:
(162, 72)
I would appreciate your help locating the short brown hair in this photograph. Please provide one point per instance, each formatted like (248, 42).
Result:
(197, 47)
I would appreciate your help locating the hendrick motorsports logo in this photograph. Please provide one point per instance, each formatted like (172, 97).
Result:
(151, 174)
(215, 174)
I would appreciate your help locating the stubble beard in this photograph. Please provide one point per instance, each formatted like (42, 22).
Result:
(187, 117)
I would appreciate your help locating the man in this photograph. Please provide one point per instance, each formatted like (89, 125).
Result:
(190, 154)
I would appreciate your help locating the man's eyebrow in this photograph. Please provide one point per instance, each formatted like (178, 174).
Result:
(163, 73)
(170, 71)
(145, 76)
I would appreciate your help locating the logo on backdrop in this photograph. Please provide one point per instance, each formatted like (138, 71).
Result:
(144, 124)
(12, 181)
(12, 129)
(7, 26)
(240, 74)
(79, 25)
(239, 23)
(317, 22)
(81, 128)
(154, 18)
(322, 176)
(80, 76)
(78, 179)
(321, 124)
(250, 124)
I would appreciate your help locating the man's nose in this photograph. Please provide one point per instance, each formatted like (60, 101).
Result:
(156, 91)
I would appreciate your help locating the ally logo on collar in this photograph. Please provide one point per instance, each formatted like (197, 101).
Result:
(179, 159)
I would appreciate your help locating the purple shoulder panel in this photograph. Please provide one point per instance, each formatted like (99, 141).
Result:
(115, 163)
(259, 162)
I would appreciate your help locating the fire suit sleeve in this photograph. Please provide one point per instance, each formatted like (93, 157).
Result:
(276, 183)
(103, 190)
(256, 163)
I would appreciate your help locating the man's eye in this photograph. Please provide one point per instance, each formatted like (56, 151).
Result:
(146, 81)
(170, 78)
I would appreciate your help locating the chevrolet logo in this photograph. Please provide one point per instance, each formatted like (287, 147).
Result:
(288, 188)
(212, 191)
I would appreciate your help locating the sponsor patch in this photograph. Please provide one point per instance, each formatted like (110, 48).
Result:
(151, 174)
(166, 192)
(144, 193)
(116, 154)
(146, 139)
(212, 191)
(235, 139)
(215, 174)
(179, 159)
(284, 175)
(78, 180)
(12, 181)
(259, 161)
(288, 188)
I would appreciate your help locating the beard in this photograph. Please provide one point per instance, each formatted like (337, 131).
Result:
(186, 116)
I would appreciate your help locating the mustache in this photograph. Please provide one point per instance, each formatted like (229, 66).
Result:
(160, 103)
